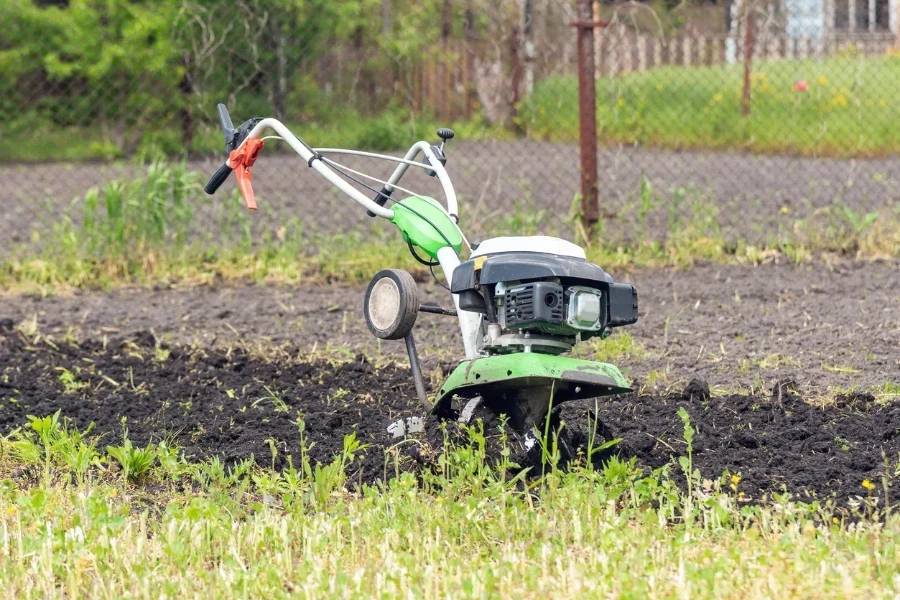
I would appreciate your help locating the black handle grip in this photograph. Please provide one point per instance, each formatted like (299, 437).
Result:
(381, 199)
(217, 179)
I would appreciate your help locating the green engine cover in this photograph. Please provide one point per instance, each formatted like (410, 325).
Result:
(527, 381)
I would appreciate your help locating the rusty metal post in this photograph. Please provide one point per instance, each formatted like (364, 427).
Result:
(515, 72)
(587, 113)
(748, 58)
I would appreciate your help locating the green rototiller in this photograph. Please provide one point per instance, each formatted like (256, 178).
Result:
(522, 302)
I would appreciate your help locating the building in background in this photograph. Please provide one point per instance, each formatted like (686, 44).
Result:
(815, 25)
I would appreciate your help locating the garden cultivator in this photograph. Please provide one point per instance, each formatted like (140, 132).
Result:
(522, 302)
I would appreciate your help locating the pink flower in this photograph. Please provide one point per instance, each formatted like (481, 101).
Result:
(801, 86)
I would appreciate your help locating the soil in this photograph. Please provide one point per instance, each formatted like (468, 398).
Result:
(232, 403)
(823, 326)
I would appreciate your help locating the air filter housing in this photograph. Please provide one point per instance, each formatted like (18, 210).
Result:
(538, 305)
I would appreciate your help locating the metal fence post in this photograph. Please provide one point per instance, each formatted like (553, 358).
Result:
(748, 58)
(587, 113)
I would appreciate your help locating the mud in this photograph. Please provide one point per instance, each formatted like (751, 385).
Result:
(235, 405)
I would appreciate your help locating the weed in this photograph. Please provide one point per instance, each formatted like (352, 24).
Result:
(686, 462)
(308, 527)
(135, 462)
(69, 381)
(888, 392)
(619, 345)
(274, 397)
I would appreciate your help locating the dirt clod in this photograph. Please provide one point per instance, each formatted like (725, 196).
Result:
(696, 390)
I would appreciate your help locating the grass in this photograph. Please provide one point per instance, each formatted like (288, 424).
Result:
(847, 110)
(619, 345)
(74, 524)
(390, 130)
(161, 228)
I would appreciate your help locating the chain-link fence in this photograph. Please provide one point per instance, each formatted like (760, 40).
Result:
(742, 119)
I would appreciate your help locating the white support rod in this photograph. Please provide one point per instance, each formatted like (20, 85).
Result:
(396, 159)
(469, 322)
(436, 166)
(306, 154)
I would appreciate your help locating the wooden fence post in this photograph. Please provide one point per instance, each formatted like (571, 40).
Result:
(642, 52)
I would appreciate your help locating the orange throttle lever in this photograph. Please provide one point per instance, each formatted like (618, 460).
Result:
(242, 160)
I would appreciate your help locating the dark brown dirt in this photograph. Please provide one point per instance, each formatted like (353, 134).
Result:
(775, 442)
(823, 326)
(224, 404)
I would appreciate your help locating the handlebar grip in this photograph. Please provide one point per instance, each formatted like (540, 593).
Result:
(381, 199)
(217, 179)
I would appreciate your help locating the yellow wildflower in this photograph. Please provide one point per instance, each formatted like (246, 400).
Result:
(823, 80)
(868, 485)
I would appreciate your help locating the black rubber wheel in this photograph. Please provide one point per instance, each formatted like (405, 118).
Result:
(392, 304)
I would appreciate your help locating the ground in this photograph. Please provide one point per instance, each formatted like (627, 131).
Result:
(237, 441)
(821, 325)
(526, 186)
(787, 372)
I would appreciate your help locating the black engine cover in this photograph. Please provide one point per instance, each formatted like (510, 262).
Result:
(524, 266)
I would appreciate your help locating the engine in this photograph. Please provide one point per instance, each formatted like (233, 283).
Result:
(540, 301)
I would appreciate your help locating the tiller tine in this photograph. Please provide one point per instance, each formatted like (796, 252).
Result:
(525, 386)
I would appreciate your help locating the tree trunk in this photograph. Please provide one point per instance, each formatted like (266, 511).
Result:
(186, 87)
(280, 91)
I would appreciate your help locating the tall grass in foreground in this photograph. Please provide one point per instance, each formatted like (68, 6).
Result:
(465, 529)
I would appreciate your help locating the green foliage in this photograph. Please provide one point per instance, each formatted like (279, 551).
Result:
(848, 109)
(135, 462)
(86, 79)
(140, 214)
(89, 52)
(598, 531)
(388, 132)
(58, 444)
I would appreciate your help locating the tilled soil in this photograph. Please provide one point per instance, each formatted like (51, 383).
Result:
(235, 404)
(823, 326)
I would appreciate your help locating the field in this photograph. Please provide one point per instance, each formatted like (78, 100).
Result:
(191, 403)
(230, 439)
(845, 109)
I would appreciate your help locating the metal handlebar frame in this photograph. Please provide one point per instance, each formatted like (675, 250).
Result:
(311, 156)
